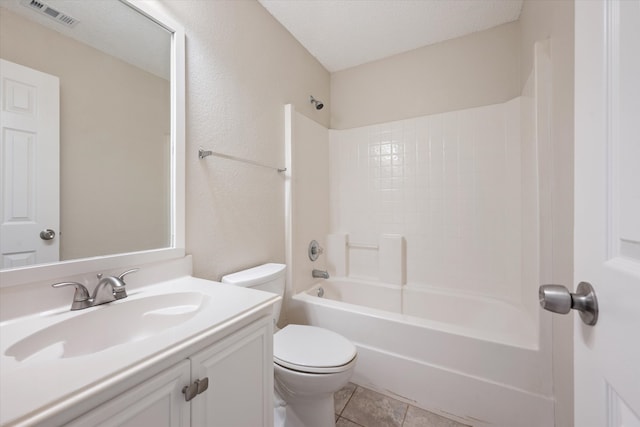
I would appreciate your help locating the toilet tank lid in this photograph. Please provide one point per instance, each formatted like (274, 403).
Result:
(256, 275)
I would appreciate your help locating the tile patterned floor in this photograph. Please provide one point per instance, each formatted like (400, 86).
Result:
(360, 407)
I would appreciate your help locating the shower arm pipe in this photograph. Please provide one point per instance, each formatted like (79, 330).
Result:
(202, 153)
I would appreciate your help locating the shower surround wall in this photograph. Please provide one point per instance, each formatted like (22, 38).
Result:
(471, 188)
(307, 197)
(452, 185)
(478, 70)
(460, 332)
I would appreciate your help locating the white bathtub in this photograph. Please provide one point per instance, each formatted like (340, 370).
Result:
(476, 358)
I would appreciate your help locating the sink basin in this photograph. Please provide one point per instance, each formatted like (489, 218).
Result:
(95, 329)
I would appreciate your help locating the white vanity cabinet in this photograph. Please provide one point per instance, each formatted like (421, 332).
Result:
(156, 402)
(239, 369)
(240, 373)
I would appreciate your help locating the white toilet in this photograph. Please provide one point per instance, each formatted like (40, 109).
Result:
(310, 363)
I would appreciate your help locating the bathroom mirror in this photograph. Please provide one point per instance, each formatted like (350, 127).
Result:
(120, 69)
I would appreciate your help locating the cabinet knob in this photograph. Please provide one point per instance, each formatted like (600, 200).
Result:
(190, 391)
(195, 388)
(203, 384)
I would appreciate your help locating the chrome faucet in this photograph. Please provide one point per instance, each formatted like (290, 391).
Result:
(320, 274)
(108, 289)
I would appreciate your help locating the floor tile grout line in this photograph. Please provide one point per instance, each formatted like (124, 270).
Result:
(353, 422)
(346, 404)
(404, 418)
(348, 400)
(358, 424)
(406, 410)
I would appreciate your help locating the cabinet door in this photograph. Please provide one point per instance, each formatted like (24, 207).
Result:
(157, 402)
(240, 372)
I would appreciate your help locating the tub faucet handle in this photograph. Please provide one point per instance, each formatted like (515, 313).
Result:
(315, 250)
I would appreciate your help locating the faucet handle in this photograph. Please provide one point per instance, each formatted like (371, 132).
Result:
(80, 297)
(133, 270)
(120, 290)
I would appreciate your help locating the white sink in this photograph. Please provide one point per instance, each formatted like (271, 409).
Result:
(74, 356)
(98, 328)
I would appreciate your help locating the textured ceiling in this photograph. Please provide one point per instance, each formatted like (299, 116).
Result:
(346, 33)
(111, 27)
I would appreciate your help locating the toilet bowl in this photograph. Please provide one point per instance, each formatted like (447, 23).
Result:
(310, 363)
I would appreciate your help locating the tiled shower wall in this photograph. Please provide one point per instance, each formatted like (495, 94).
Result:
(450, 183)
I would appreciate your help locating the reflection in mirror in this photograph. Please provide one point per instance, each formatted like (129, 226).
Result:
(109, 65)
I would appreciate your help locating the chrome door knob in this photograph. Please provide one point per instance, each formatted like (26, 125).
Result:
(47, 234)
(558, 299)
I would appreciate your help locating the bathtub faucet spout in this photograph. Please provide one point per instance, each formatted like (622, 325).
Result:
(320, 274)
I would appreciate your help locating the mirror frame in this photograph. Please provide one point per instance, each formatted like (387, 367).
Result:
(52, 271)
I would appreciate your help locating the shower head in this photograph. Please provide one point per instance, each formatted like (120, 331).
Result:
(316, 102)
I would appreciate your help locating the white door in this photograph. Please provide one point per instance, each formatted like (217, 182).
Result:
(607, 210)
(29, 166)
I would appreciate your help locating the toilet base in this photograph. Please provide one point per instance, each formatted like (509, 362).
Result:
(307, 411)
(309, 397)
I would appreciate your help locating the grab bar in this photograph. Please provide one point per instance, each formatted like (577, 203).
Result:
(202, 153)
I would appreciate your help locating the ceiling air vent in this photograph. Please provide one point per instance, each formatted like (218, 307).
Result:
(50, 12)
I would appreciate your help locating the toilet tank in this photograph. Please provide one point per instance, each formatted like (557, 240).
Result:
(266, 277)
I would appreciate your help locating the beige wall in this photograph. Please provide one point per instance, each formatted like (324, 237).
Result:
(470, 71)
(114, 126)
(553, 19)
(242, 68)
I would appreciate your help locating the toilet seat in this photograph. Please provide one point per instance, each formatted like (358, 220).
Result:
(313, 350)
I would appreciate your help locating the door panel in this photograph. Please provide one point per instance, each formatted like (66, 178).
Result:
(29, 165)
(607, 210)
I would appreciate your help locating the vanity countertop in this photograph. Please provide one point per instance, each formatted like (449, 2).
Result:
(42, 383)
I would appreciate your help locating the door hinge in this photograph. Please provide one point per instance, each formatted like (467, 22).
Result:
(192, 390)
